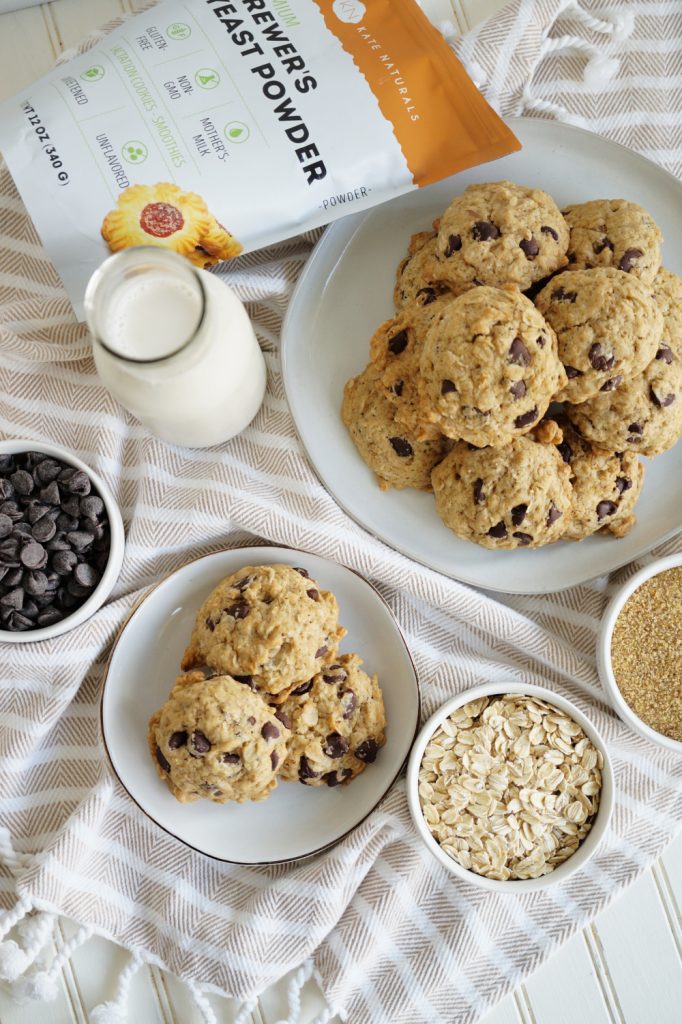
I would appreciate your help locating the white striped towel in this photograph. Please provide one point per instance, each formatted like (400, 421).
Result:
(391, 936)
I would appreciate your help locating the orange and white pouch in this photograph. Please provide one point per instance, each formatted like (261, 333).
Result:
(215, 127)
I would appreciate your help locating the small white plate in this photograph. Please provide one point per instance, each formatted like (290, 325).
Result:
(295, 821)
(346, 291)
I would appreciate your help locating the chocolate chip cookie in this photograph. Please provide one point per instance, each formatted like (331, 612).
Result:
(489, 367)
(214, 739)
(336, 722)
(498, 234)
(414, 277)
(607, 325)
(613, 233)
(269, 626)
(606, 486)
(512, 497)
(397, 455)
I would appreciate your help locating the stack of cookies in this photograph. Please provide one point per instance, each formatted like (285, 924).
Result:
(265, 694)
(507, 307)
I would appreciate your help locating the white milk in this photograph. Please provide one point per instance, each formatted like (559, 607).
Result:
(175, 346)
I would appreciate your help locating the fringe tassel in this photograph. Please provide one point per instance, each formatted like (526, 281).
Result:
(115, 1012)
(15, 960)
(202, 1003)
(12, 917)
(619, 26)
(296, 983)
(599, 69)
(245, 1011)
(43, 985)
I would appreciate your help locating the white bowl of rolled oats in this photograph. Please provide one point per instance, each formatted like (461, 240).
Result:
(510, 787)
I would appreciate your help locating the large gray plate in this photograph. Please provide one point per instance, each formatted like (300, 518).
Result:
(346, 291)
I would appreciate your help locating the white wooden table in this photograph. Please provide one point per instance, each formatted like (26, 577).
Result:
(626, 968)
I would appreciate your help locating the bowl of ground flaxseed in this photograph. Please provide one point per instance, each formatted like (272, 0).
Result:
(639, 652)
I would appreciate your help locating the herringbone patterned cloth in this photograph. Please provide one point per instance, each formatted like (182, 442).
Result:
(393, 938)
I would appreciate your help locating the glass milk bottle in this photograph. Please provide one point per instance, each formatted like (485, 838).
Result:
(174, 345)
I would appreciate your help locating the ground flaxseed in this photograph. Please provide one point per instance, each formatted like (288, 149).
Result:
(646, 652)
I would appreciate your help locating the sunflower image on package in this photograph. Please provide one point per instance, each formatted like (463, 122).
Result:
(216, 127)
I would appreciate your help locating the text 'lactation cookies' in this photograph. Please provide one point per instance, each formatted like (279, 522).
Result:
(506, 307)
(266, 694)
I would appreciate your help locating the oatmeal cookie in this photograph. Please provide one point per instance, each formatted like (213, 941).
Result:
(606, 486)
(608, 328)
(336, 723)
(270, 626)
(215, 739)
(613, 233)
(511, 497)
(397, 455)
(489, 367)
(500, 233)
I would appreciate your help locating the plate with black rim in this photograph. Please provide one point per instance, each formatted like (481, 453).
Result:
(346, 291)
(295, 821)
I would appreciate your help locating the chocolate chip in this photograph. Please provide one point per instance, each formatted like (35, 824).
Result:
(598, 360)
(606, 508)
(283, 717)
(530, 247)
(561, 295)
(398, 343)
(565, 451)
(303, 688)
(200, 743)
(636, 428)
(80, 540)
(245, 680)
(332, 779)
(447, 386)
(397, 388)
(518, 514)
(6, 525)
(78, 483)
(91, 506)
(524, 539)
(662, 401)
(339, 675)
(33, 555)
(44, 530)
(86, 575)
(49, 617)
(454, 245)
(238, 610)
(22, 482)
(177, 740)
(665, 353)
(518, 353)
(401, 447)
(210, 624)
(321, 651)
(6, 489)
(63, 562)
(13, 599)
(269, 731)
(72, 506)
(313, 594)
(612, 384)
(499, 531)
(35, 583)
(47, 471)
(479, 496)
(367, 751)
(485, 231)
(12, 510)
(251, 720)
(230, 758)
(351, 701)
(305, 771)
(553, 514)
(274, 759)
(518, 389)
(428, 293)
(22, 531)
(628, 258)
(162, 760)
(623, 483)
(526, 418)
(302, 572)
(335, 745)
(547, 230)
(58, 543)
(50, 495)
(604, 243)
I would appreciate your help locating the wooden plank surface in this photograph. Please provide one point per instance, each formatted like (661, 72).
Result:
(625, 969)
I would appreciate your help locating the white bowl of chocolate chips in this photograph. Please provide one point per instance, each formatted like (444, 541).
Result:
(61, 541)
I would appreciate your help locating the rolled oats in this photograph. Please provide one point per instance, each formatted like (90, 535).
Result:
(509, 786)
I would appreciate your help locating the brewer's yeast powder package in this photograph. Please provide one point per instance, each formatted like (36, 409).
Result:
(215, 127)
